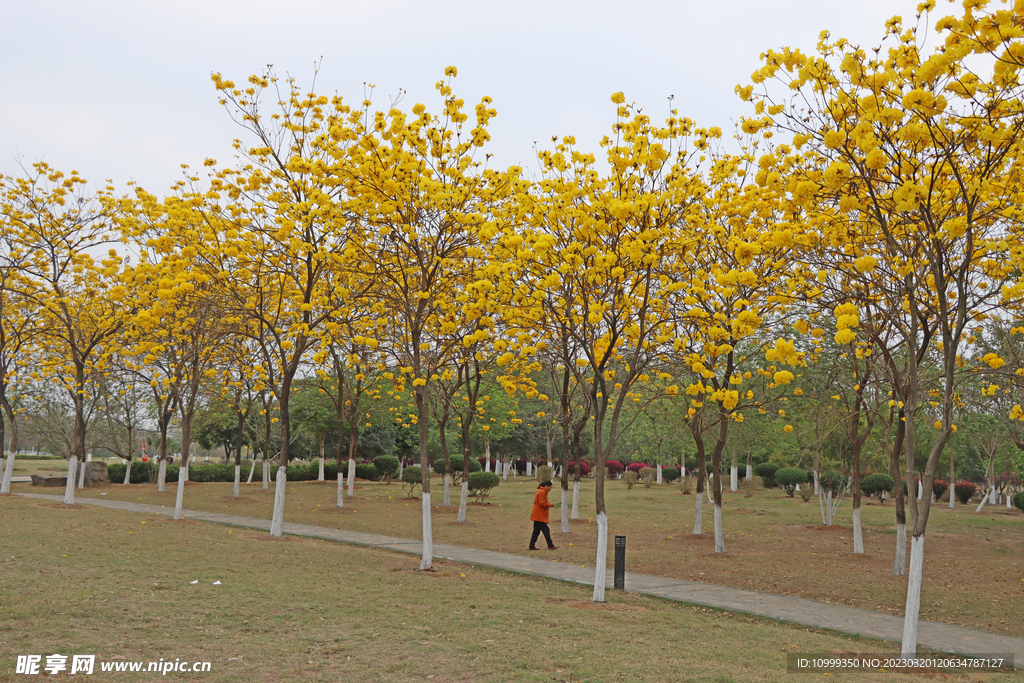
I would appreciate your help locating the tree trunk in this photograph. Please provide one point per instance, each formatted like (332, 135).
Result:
(5, 486)
(913, 608)
(750, 467)
(427, 558)
(238, 481)
(69, 487)
(321, 458)
(277, 521)
(127, 471)
(353, 446)
(463, 498)
(659, 473)
(734, 470)
(161, 477)
(575, 498)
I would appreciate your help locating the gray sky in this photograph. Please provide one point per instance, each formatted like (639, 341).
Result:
(122, 90)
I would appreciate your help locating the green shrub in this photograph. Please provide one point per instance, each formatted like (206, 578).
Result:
(685, 484)
(1018, 501)
(832, 480)
(669, 474)
(648, 475)
(142, 472)
(367, 472)
(411, 478)
(481, 483)
(876, 484)
(387, 466)
(630, 478)
(766, 471)
(789, 477)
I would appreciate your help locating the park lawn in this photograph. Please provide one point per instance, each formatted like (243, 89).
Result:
(26, 465)
(974, 564)
(118, 585)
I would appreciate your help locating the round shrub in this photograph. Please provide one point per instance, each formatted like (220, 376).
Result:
(456, 464)
(367, 472)
(614, 468)
(481, 483)
(630, 478)
(669, 474)
(876, 484)
(411, 478)
(965, 490)
(789, 477)
(386, 466)
(766, 471)
(939, 487)
(636, 467)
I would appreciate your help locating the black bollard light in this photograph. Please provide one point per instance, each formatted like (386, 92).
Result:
(620, 563)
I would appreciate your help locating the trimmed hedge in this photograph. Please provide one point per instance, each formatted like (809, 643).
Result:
(877, 483)
(1018, 501)
(789, 477)
(965, 490)
(669, 474)
(481, 483)
(766, 471)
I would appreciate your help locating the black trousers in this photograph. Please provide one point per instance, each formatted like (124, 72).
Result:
(539, 527)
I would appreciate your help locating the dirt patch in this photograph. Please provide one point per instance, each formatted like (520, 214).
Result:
(833, 528)
(600, 606)
(62, 506)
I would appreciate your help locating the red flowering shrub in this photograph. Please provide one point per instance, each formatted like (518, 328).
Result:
(939, 487)
(614, 468)
(636, 467)
(584, 469)
(965, 490)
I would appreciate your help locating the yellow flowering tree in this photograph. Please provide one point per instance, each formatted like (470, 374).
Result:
(920, 153)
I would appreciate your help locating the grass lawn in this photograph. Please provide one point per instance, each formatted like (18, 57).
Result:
(974, 564)
(84, 580)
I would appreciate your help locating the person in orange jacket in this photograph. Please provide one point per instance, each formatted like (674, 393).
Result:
(540, 516)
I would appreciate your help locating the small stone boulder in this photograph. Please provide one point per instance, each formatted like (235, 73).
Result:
(48, 481)
(95, 473)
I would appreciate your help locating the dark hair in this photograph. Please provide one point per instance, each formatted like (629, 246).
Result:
(544, 483)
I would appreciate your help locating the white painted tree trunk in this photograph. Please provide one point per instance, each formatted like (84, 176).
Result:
(238, 481)
(161, 477)
(266, 474)
(351, 477)
(1008, 505)
(5, 486)
(899, 562)
(504, 467)
(817, 484)
(341, 488)
(984, 501)
(549, 463)
(529, 468)
(734, 478)
(992, 496)
(427, 559)
(277, 521)
(447, 490)
(321, 469)
(719, 530)
(912, 613)
(69, 487)
(659, 472)
(565, 512)
(81, 476)
(487, 464)
(952, 494)
(750, 473)
(401, 468)
(858, 533)
(601, 563)
(920, 490)
(698, 515)
(179, 497)
(575, 500)
(463, 498)
(127, 473)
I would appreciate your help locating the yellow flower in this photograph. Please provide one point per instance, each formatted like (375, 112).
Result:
(787, 428)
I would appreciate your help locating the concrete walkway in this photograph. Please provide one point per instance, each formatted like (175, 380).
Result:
(931, 634)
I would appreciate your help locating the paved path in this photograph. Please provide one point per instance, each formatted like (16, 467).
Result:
(931, 634)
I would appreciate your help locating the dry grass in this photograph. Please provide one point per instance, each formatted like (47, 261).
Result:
(974, 568)
(118, 585)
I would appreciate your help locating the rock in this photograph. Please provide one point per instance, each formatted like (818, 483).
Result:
(95, 472)
(48, 481)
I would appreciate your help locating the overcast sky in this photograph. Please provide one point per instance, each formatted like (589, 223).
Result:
(122, 90)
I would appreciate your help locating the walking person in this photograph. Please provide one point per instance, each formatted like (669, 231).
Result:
(540, 516)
